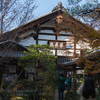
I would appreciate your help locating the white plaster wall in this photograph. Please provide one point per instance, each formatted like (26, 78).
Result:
(63, 38)
(42, 42)
(50, 23)
(46, 31)
(53, 51)
(49, 37)
(82, 45)
(27, 33)
(28, 41)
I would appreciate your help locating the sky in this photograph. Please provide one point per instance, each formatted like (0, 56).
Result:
(45, 6)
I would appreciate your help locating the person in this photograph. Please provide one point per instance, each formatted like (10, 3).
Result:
(69, 83)
(87, 90)
(97, 84)
(61, 86)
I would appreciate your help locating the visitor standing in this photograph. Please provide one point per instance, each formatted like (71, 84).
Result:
(61, 85)
(87, 90)
(69, 83)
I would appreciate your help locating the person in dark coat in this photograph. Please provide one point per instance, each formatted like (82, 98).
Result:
(69, 83)
(61, 85)
(87, 90)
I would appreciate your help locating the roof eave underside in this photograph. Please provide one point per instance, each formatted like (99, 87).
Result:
(34, 23)
(38, 21)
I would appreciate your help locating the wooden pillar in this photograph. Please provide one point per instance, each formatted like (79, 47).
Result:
(37, 39)
(55, 49)
(74, 49)
(65, 73)
(74, 79)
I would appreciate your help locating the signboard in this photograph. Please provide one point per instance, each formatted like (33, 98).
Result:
(57, 44)
(80, 71)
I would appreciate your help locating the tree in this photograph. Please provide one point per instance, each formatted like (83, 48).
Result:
(43, 62)
(90, 13)
(87, 11)
(15, 13)
(82, 32)
(80, 7)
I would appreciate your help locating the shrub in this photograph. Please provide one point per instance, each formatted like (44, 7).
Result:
(5, 95)
(72, 96)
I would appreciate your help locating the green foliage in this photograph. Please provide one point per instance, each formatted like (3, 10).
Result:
(30, 96)
(68, 14)
(76, 7)
(89, 13)
(72, 96)
(43, 61)
(77, 81)
(40, 54)
(5, 95)
(5, 85)
(49, 81)
(98, 96)
(25, 84)
(91, 63)
(19, 98)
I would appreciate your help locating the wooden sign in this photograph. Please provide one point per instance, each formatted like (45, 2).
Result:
(57, 44)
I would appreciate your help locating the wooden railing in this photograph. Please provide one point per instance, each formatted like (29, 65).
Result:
(62, 59)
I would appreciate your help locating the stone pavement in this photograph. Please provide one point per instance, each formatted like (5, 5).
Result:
(56, 93)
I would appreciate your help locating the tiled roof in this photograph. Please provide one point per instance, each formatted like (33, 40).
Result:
(14, 54)
(70, 62)
(11, 52)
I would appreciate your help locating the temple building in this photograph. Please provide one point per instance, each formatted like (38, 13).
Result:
(51, 29)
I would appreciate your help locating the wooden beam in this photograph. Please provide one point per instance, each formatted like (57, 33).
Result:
(39, 21)
(74, 49)
(48, 28)
(37, 39)
(52, 40)
(54, 34)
